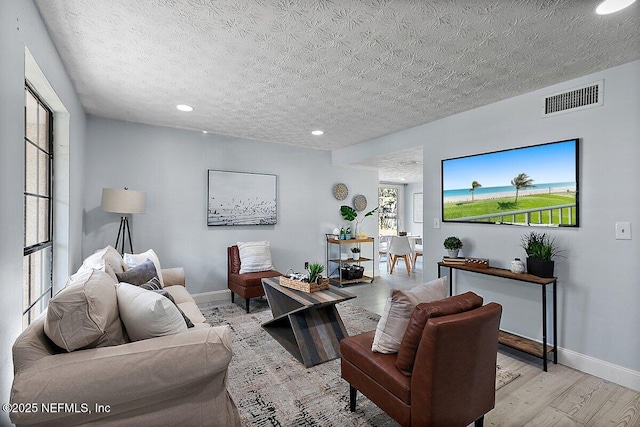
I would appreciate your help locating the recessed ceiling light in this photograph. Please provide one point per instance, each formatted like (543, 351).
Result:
(611, 6)
(317, 132)
(204, 131)
(184, 107)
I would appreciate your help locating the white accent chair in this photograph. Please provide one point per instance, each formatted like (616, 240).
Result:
(399, 248)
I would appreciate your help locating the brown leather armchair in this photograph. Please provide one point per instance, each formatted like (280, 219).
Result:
(444, 372)
(247, 285)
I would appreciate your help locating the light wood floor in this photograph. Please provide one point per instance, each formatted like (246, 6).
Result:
(560, 397)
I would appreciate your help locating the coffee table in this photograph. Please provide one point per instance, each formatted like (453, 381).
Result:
(307, 325)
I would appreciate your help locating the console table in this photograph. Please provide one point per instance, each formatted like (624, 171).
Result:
(511, 340)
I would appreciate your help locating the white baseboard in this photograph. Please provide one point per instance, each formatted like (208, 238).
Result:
(600, 368)
(213, 296)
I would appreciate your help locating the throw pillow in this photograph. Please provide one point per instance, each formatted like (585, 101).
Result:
(152, 285)
(146, 314)
(139, 275)
(166, 294)
(85, 313)
(255, 256)
(132, 260)
(105, 259)
(422, 313)
(397, 312)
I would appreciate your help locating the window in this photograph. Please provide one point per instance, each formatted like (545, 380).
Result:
(38, 218)
(388, 214)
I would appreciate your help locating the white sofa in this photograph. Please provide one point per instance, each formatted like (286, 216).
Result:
(177, 379)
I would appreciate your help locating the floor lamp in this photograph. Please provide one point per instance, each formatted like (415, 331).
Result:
(124, 202)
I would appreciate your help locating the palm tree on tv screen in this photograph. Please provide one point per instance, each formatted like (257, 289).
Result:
(521, 181)
(474, 185)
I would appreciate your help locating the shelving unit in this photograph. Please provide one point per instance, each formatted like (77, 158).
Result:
(334, 265)
(523, 344)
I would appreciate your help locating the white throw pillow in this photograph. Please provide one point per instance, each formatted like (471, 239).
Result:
(397, 313)
(255, 256)
(134, 260)
(146, 314)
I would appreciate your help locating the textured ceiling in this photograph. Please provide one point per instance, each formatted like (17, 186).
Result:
(358, 69)
(399, 167)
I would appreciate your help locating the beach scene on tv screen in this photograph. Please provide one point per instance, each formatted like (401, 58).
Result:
(529, 186)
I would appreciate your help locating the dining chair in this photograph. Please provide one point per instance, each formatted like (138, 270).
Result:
(417, 251)
(399, 248)
(383, 248)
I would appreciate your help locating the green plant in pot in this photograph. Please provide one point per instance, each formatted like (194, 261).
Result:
(315, 271)
(356, 253)
(540, 249)
(350, 214)
(453, 245)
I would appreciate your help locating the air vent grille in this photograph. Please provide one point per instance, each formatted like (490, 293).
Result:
(587, 96)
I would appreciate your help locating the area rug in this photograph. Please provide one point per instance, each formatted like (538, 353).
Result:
(271, 388)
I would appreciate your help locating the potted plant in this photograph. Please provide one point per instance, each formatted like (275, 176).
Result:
(453, 245)
(315, 271)
(356, 253)
(540, 249)
(350, 214)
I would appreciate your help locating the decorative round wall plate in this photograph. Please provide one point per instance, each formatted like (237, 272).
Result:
(360, 202)
(340, 191)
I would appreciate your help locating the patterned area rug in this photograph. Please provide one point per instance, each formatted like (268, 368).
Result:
(271, 388)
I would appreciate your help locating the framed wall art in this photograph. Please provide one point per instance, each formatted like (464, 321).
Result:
(240, 198)
(417, 207)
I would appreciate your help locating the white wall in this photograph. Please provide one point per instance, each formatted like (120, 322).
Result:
(599, 285)
(20, 27)
(411, 226)
(171, 166)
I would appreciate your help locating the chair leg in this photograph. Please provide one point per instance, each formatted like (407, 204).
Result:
(247, 304)
(352, 398)
(394, 259)
(407, 263)
(479, 422)
(232, 296)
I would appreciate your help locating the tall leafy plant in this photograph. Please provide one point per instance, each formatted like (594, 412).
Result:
(350, 214)
(540, 246)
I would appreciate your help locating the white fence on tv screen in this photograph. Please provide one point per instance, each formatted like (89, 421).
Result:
(527, 213)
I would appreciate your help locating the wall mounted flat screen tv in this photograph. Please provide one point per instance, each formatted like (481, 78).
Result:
(535, 185)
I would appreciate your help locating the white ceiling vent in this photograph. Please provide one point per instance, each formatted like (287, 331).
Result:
(587, 96)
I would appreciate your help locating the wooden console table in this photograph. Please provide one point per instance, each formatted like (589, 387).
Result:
(511, 340)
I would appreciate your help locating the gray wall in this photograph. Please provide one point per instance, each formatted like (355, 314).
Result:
(599, 286)
(171, 166)
(20, 27)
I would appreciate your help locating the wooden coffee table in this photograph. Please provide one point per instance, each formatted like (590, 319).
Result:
(307, 325)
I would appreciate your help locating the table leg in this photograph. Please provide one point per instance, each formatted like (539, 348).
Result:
(555, 324)
(544, 327)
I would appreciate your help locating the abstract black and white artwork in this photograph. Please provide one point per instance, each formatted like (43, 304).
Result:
(239, 198)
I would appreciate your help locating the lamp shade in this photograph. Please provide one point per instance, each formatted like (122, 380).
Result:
(123, 201)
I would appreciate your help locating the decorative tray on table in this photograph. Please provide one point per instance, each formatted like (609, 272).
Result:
(304, 286)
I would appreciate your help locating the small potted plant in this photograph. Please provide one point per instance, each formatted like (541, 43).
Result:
(453, 245)
(356, 253)
(540, 249)
(315, 272)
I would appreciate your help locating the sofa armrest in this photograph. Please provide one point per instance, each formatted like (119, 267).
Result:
(119, 375)
(173, 276)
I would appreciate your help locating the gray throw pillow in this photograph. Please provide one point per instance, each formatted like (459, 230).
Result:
(152, 285)
(139, 274)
